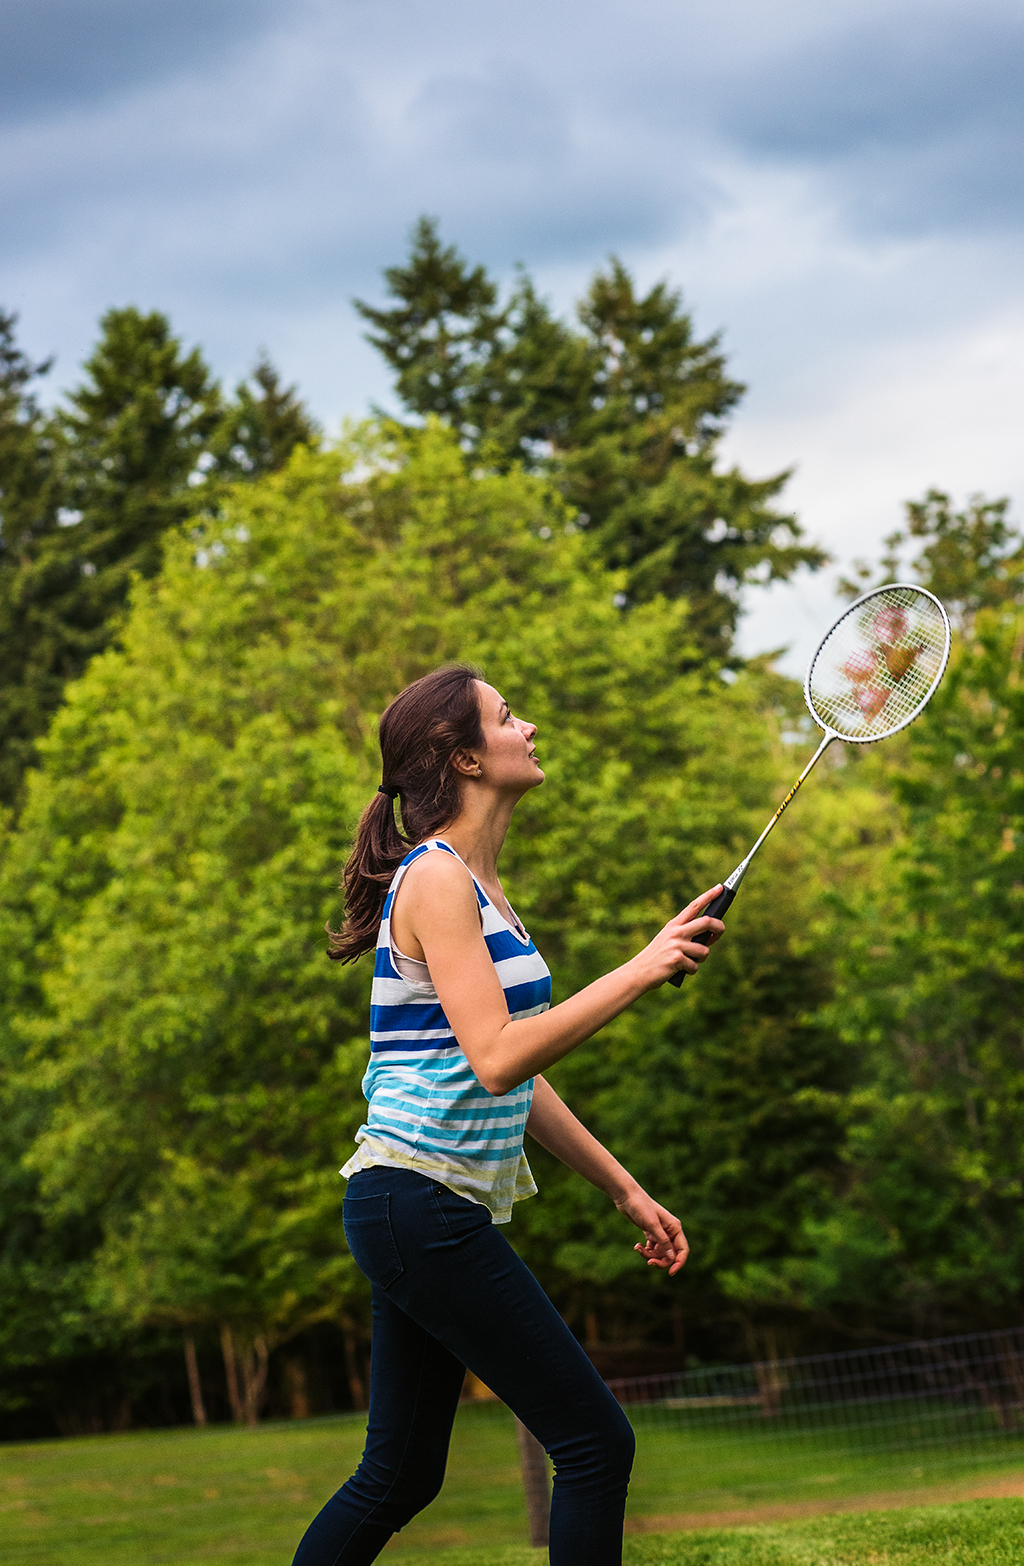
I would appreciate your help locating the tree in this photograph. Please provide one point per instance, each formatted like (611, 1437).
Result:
(440, 334)
(261, 428)
(228, 1250)
(926, 1233)
(123, 457)
(137, 434)
(624, 413)
(25, 465)
(169, 1013)
(971, 559)
(933, 990)
(29, 512)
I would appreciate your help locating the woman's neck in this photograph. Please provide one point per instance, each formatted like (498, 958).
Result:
(477, 835)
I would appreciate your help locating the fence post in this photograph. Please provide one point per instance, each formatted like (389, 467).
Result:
(534, 1463)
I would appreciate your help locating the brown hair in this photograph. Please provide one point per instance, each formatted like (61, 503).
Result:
(419, 734)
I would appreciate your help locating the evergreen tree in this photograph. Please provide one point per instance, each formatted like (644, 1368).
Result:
(262, 427)
(444, 328)
(25, 465)
(123, 458)
(623, 411)
(137, 435)
(29, 495)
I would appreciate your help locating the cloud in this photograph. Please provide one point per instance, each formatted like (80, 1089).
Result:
(502, 117)
(920, 118)
(833, 186)
(543, 140)
(61, 54)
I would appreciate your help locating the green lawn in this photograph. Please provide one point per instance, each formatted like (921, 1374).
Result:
(243, 1498)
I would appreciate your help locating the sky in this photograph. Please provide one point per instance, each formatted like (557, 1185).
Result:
(836, 189)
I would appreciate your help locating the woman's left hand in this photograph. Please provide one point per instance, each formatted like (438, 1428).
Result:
(664, 1243)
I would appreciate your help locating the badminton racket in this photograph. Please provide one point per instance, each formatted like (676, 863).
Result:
(875, 671)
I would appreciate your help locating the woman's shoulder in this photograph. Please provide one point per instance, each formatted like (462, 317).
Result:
(434, 845)
(434, 865)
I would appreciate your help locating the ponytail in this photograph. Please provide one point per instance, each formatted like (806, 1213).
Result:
(420, 732)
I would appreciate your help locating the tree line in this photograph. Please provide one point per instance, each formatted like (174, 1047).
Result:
(834, 1107)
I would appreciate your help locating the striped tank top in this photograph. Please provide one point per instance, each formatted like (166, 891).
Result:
(427, 1111)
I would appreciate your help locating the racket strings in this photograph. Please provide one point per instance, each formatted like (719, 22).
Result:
(878, 665)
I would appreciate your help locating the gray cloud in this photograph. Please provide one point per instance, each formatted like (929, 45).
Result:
(503, 116)
(538, 141)
(59, 54)
(897, 83)
(918, 120)
(251, 164)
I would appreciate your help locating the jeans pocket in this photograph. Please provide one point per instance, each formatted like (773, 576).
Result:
(371, 1239)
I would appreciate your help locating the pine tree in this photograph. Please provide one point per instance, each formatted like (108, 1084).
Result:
(137, 436)
(444, 327)
(123, 459)
(624, 412)
(262, 427)
(25, 465)
(29, 509)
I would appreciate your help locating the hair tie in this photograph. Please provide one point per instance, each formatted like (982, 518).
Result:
(384, 788)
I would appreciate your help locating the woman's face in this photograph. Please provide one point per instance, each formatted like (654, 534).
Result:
(508, 760)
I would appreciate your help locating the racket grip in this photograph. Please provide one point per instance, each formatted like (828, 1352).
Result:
(717, 908)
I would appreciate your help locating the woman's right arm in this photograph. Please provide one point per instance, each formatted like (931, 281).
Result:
(440, 909)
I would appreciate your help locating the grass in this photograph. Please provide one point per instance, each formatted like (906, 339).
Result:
(979, 1533)
(244, 1497)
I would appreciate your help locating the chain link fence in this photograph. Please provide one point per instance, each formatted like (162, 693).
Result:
(957, 1393)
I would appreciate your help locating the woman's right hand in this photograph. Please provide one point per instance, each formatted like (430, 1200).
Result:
(675, 946)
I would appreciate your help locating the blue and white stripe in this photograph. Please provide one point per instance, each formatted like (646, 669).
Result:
(427, 1110)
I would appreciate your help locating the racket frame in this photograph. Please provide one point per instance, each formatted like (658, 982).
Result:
(718, 905)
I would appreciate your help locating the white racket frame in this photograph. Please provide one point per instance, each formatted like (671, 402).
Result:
(720, 904)
(830, 734)
(872, 739)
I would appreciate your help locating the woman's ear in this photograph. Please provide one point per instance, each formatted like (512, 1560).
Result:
(466, 764)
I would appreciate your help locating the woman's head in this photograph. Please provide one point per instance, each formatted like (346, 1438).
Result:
(432, 721)
(446, 732)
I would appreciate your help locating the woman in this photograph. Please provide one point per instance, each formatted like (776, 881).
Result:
(461, 1031)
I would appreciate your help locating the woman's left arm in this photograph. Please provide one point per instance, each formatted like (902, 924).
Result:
(555, 1127)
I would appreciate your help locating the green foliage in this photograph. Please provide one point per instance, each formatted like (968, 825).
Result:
(447, 320)
(188, 1059)
(24, 466)
(29, 502)
(971, 559)
(118, 460)
(136, 431)
(926, 1234)
(932, 993)
(623, 413)
(724, 1098)
(834, 1106)
(261, 428)
(89, 493)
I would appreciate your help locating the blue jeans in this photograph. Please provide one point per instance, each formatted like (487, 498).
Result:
(450, 1292)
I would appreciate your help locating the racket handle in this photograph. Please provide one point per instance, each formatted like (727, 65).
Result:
(717, 909)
